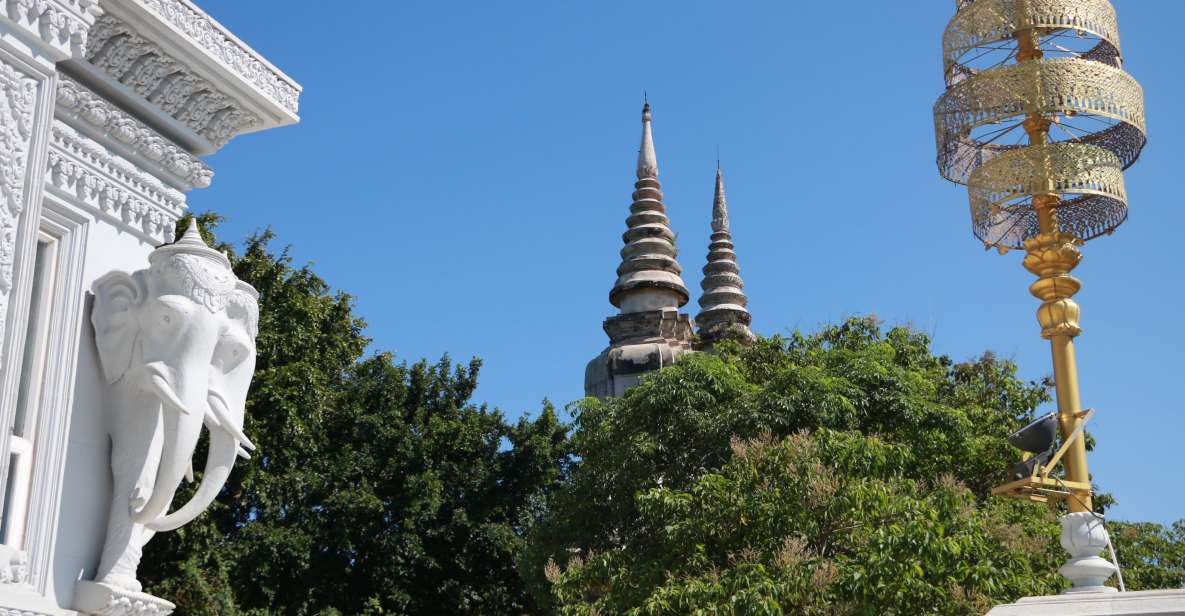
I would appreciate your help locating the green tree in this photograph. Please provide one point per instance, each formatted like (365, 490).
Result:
(867, 460)
(378, 488)
(1151, 555)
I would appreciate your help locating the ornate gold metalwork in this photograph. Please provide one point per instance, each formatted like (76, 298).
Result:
(1047, 195)
(985, 22)
(1066, 86)
(1051, 257)
(1001, 192)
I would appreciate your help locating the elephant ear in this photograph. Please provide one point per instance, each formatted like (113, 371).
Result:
(118, 296)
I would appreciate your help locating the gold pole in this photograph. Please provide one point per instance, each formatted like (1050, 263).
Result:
(1051, 256)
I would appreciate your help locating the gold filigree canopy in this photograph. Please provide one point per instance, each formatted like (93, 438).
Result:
(1071, 79)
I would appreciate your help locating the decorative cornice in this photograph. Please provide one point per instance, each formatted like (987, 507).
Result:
(117, 167)
(62, 24)
(174, 87)
(211, 36)
(118, 189)
(185, 168)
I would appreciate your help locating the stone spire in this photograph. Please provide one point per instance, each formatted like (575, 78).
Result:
(649, 332)
(723, 312)
(648, 277)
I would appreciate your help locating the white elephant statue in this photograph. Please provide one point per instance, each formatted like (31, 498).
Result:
(177, 346)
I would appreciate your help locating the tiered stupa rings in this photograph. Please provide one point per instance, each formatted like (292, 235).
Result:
(1095, 112)
(649, 275)
(723, 305)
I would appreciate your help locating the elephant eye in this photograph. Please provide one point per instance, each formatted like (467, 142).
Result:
(230, 353)
(170, 311)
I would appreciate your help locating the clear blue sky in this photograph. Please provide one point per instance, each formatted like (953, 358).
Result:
(465, 169)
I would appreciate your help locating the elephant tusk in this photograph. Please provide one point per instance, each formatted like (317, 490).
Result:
(219, 460)
(164, 391)
(189, 472)
(222, 414)
(242, 453)
(211, 418)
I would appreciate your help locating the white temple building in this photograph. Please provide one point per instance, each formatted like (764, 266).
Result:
(115, 353)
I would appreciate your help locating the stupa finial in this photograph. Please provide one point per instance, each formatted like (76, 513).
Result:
(647, 160)
(719, 204)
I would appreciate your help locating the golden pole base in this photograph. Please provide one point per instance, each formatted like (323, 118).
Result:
(1051, 256)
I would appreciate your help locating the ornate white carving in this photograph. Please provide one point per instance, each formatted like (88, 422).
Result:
(189, 170)
(95, 177)
(143, 66)
(14, 566)
(1084, 536)
(183, 332)
(107, 600)
(60, 23)
(211, 37)
(18, 94)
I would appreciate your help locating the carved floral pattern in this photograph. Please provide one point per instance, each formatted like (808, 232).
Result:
(132, 606)
(186, 168)
(210, 36)
(109, 191)
(18, 94)
(58, 27)
(210, 287)
(108, 600)
(143, 66)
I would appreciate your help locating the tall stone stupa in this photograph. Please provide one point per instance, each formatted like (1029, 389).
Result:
(649, 332)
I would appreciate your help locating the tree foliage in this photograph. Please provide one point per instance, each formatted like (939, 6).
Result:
(378, 488)
(842, 472)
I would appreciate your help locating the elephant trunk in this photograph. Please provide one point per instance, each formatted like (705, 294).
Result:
(182, 427)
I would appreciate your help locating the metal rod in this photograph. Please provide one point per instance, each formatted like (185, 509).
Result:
(1051, 258)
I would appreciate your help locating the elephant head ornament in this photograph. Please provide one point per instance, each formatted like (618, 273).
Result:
(176, 343)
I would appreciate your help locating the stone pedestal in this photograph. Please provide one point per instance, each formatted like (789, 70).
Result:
(107, 600)
(1151, 602)
(1084, 536)
(639, 342)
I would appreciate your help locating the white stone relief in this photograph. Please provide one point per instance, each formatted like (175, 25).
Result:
(177, 346)
(107, 600)
(143, 66)
(58, 23)
(210, 37)
(14, 566)
(186, 168)
(18, 94)
(117, 189)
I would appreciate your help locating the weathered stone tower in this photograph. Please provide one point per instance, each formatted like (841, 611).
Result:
(649, 332)
(723, 305)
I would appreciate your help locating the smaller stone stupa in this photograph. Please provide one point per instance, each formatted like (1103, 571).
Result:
(723, 306)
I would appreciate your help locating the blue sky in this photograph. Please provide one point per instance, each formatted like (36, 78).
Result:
(465, 170)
